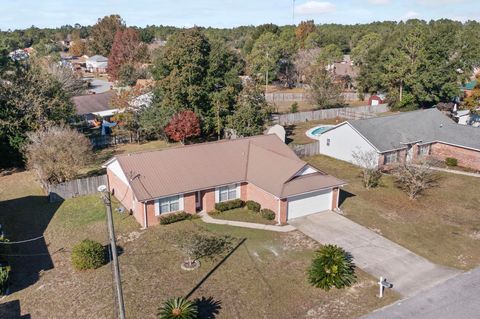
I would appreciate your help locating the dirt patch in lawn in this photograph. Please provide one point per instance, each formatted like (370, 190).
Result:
(441, 225)
(260, 279)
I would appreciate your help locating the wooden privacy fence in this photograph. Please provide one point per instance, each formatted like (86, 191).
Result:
(303, 96)
(357, 112)
(109, 140)
(303, 150)
(78, 187)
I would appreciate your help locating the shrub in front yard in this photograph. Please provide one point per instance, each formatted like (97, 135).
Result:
(4, 275)
(253, 206)
(268, 214)
(228, 205)
(451, 162)
(178, 308)
(88, 254)
(214, 212)
(173, 218)
(331, 267)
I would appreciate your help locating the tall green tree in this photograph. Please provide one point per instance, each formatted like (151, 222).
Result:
(103, 34)
(265, 57)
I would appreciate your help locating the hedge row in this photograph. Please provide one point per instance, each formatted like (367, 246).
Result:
(173, 218)
(228, 205)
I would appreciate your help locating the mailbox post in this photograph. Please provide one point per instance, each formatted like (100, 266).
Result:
(382, 284)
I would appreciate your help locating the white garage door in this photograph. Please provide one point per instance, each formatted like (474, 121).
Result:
(310, 203)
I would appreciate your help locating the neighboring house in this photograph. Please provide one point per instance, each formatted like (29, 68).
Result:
(468, 88)
(193, 178)
(404, 136)
(20, 54)
(142, 101)
(377, 99)
(97, 63)
(465, 117)
(92, 105)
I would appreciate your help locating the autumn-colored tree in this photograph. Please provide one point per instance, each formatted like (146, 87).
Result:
(124, 50)
(78, 48)
(473, 100)
(103, 34)
(182, 126)
(304, 29)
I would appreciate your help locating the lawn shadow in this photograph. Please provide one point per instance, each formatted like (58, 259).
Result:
(344, 195)
(25, 220)
(214, 268)
(288, 133)
(208, 308)
(11, 310)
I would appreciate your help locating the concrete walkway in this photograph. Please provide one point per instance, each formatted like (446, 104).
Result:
(455, 298)
(210, 220)
(453, 171)
(375, 254)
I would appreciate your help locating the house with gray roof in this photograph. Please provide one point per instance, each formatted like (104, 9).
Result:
(404, 137)
(97, 63)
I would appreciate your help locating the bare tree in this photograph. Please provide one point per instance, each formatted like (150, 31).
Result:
(414, 178)
(57, 153)
(303, 60)
(368, 161)
(71, 82)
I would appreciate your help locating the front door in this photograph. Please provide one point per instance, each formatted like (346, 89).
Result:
(409, 153)
(198, 201)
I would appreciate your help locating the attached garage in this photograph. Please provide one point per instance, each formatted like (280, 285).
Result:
(306, 204)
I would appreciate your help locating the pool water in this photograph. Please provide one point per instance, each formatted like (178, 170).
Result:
(315, 132)
(320, 130)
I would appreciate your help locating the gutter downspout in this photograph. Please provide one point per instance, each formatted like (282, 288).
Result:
(278, 219)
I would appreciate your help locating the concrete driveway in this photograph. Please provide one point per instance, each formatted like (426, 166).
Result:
(375, 254)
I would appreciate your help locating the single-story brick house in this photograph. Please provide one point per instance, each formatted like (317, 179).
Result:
(404, 137)
(193, 178)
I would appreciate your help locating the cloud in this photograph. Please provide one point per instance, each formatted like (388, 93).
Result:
(411, 15)
(379, 2)
(314, 7)
(437, 2)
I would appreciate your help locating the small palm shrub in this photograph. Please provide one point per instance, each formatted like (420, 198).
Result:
(268, 214)
(451, 161)
(88, 254)
(4, 275)
(331, 267)
(228, 205)
(178, 308)
(253, 206)
(173, 218)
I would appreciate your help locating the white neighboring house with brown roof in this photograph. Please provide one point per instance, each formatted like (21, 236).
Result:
(193, 178)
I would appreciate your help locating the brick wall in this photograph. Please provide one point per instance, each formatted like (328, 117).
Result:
(151, 218)
(189, 203)
(208, 199)
(262, 197)
(243, 191)
(283, 211)
(335, 193)
(466, 158)
(124, 194)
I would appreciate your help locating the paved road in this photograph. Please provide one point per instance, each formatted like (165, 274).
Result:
(375, 254)
(457, 297)
(99, 86)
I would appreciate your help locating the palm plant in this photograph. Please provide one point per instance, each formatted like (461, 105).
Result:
(178, 308)
(331, 267)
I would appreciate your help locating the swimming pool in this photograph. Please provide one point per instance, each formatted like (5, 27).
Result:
(315, 132)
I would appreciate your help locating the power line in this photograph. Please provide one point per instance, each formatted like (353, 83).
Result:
(20, 241)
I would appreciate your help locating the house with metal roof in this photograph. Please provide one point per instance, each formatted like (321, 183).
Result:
(194, 178)
(97, 63)
(404, 137)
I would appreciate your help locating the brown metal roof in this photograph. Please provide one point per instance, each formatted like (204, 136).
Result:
(92, 102)
(262, 160)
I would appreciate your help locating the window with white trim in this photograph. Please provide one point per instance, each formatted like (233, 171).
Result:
(424, 150)
(227, 192)
(169, 204)
(328, 142)
(391, 157)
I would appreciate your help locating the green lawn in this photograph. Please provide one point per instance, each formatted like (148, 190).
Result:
(244, 215)
(443, 225)
(263, 278)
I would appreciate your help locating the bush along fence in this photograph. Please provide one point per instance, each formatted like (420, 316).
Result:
(77, 187)
(357, 112)
(303, 150)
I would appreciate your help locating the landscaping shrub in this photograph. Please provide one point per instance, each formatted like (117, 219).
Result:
(331, 267)
(268, 214)
(294, 107)
(214, 212)
(451, 162)
(253, 205)
(4, 275)
(173, 218)
(178, 308)
(197, 245)
(228, 205)
(88, 254)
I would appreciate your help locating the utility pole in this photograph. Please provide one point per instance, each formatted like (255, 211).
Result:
(293, 13)
(113, 247)
(266, 78)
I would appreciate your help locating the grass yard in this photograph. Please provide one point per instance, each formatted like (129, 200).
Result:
(244, 215)
(296, 132)
(263, 278)
(443, 225)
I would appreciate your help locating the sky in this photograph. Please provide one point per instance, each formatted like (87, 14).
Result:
(19, 14)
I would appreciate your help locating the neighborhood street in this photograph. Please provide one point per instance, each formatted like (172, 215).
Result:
(408, 272)
(455, 298)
